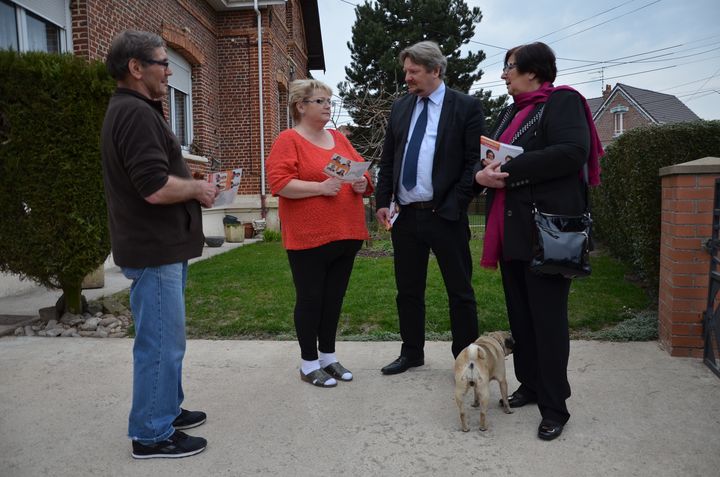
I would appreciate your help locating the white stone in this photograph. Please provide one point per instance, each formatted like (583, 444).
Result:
(53, 332)
(29, 331)
(101, 334)
(91, 324)
(69, 332)
(19, 331)
(108, 320)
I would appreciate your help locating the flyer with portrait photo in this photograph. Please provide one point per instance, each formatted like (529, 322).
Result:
(228, 182)
(345, 169)
(491, 150)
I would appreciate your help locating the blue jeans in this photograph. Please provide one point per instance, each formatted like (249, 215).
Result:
(157, 301)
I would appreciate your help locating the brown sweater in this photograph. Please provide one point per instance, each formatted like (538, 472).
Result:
(139, 152)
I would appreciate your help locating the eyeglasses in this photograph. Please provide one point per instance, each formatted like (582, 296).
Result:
(164, 64)
(509, 66)
(321, 101)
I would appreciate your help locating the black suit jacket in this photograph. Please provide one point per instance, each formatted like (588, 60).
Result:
(457, 150)
(548, 172)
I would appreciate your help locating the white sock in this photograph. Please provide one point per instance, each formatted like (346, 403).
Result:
(326, 358)
(309, 366)
(330, 358)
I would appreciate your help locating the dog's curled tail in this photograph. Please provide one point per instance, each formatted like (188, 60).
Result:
(471, 373)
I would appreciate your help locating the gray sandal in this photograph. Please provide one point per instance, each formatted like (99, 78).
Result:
(336, 370)
(317, 378)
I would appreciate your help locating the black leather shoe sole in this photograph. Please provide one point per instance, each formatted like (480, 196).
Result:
(401, 365)
(549, 430)
(518, 399)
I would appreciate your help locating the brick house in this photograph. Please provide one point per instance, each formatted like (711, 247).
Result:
(215, 90)
(625, 107)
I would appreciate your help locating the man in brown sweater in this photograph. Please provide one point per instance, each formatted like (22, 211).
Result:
(155, 227)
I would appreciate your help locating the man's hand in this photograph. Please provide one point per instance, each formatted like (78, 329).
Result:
(490, 176)
(383, 217)
(207, 192)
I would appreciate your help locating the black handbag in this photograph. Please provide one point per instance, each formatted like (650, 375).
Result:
(561, 243)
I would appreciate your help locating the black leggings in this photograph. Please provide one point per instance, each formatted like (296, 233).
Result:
(321, 277)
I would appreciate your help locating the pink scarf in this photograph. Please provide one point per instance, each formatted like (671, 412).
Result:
(525, 103)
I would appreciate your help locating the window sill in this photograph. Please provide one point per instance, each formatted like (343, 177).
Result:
(192, 157)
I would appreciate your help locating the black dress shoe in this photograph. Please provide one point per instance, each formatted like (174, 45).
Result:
(401, 365)
(519, 399)
(549, 430)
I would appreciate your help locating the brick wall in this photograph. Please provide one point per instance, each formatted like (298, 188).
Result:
(605, 123)
(686, 223)
(222, 49)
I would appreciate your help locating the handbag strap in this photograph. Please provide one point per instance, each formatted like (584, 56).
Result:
(587, 193)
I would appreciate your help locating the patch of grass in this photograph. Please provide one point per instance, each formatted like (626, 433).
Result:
(248, 293)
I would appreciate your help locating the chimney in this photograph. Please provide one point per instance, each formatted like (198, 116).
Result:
(607, 91)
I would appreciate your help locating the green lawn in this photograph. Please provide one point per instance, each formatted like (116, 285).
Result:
(248, 292)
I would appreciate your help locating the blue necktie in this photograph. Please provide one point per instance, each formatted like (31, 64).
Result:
(409, 178)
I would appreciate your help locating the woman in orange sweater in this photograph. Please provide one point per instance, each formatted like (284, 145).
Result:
(323, 225)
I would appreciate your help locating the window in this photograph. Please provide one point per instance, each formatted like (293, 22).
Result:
(38, 30)
(42, 35)
(8, 27)
(618, 113)
(180, 99)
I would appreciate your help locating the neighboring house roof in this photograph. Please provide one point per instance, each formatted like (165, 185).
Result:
(659, 108)
(595, 104)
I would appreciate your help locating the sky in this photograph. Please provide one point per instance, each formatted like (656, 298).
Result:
(668, 46)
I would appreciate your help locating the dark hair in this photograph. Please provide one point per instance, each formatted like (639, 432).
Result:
(535, 58)
(127, 45)
(426, 53)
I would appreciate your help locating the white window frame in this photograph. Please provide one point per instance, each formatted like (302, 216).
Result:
(181, 80)
(42, 9)
(618, 116)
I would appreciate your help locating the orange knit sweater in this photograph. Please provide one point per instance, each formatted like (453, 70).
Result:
(314, 221)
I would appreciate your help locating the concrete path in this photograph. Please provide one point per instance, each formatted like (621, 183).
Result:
(64, 403)
(636, 412)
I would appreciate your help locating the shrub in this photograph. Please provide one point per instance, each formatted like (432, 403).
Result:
(270, 235)
(627, 206)
(53, 223)
(642, 326)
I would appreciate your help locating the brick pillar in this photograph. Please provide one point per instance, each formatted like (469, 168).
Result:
(686, 223)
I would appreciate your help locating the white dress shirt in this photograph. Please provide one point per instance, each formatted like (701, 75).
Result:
(423, 190)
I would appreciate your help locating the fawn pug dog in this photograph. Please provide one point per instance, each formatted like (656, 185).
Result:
(477, 365)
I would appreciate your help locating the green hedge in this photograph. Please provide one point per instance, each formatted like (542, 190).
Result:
(53, 222)
(627, 205)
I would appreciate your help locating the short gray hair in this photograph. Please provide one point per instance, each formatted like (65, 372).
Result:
(301, 90)
(127, 45)
(427, 54)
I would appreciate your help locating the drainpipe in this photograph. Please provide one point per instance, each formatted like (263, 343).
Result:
(263, 208)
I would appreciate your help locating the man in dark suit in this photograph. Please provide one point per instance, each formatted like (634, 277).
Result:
(431, 145)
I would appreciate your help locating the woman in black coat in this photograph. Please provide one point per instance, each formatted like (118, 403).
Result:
(554, 127)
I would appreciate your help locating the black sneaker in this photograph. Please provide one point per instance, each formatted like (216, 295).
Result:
(177, 445)
(189, 419)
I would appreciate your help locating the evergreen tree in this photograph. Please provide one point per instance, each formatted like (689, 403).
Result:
(382, 29)
(54, 221)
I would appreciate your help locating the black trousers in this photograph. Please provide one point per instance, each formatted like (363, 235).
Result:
(321, 276)
(537, 308)
(414, 234)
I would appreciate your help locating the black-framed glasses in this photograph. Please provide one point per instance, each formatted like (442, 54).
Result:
(509, 66)
(321, 101)
(164, 64)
